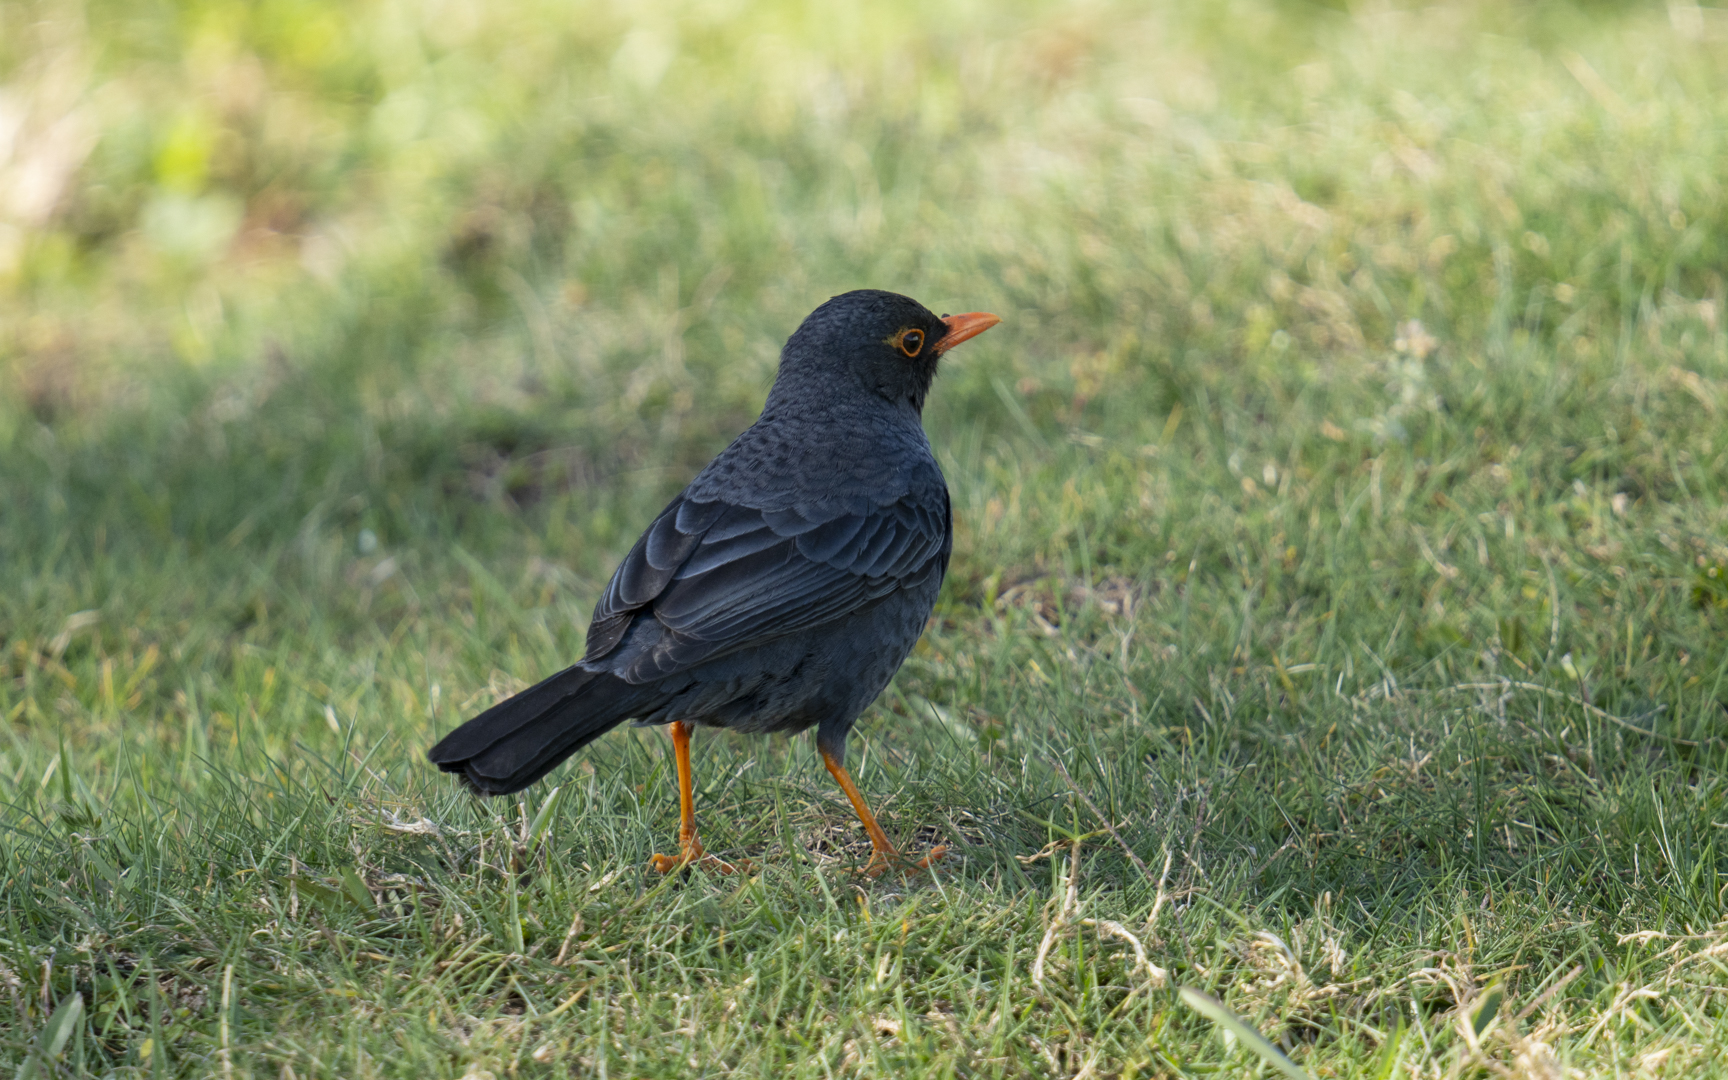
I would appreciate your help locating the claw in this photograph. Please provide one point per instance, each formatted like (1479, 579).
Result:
(689, 848)
(883, 861)
(883, 856)
(665, 864)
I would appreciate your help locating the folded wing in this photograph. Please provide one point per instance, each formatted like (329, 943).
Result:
(716, 578)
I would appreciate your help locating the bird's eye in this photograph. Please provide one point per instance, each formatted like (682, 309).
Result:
(911, 342)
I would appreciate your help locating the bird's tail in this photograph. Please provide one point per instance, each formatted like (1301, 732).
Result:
(522, 738)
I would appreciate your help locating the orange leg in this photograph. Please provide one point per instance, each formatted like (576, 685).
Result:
(883, 854)
(689, 848)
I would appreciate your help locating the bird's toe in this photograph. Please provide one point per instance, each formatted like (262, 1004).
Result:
(883, 861)
(665, 864)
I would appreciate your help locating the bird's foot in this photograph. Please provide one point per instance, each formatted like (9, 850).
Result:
(882, 861)
(665, 864)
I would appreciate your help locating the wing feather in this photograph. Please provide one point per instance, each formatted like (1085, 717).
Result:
(715, 577)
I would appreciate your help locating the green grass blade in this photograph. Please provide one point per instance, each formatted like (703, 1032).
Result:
(1217, 1012)
(543, 817)
(1389, 1057)
(51, 1040)
(356, 891)
(1487, 1007)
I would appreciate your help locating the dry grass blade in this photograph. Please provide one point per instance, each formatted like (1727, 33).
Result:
(1102, 820)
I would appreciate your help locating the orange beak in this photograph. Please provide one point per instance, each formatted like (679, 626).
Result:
(964, 328)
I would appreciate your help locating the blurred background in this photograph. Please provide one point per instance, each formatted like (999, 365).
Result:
(299, 297)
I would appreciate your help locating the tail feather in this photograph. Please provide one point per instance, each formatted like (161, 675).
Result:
(522, 738)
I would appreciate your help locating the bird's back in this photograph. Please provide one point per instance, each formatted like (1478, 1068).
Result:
(827, 458)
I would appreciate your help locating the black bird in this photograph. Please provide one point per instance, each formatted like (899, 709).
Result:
(782, 589)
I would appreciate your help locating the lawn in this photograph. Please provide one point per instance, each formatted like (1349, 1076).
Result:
(1338, 619)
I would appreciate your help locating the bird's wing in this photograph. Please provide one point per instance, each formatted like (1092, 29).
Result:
(717, 577)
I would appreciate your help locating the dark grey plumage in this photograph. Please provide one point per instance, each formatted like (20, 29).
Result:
(785, 585)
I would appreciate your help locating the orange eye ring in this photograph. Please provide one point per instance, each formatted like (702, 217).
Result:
(910, 342)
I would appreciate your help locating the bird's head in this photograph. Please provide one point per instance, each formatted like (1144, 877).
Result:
(886, 342)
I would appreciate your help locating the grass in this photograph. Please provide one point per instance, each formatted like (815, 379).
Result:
(1338, 614)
